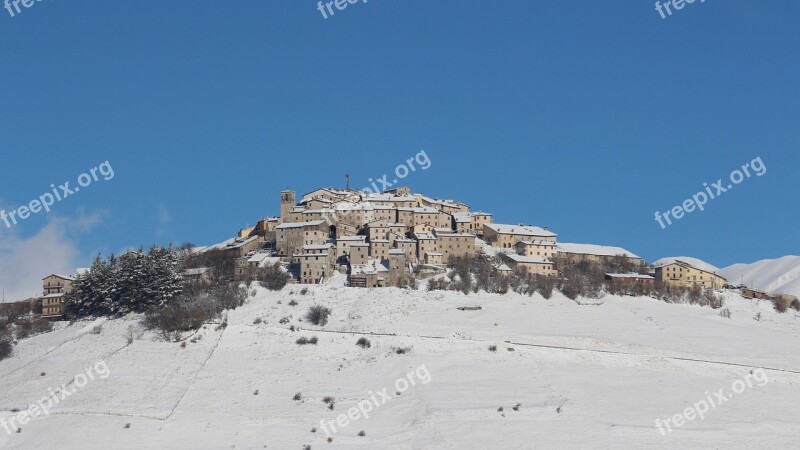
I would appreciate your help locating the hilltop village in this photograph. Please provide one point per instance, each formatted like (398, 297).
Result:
(377, 239)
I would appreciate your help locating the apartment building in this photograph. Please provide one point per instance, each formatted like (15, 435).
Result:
(507, 236)
(682, 274)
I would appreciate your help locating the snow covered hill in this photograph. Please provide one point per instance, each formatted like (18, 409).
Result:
(565, 375)
(772, 275)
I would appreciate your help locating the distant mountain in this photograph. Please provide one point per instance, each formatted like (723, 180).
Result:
(772, 275)
(699, 263)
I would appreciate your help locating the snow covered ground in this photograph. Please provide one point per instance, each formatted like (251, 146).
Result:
(583, 376)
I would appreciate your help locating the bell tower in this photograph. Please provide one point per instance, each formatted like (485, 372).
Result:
(287, 203)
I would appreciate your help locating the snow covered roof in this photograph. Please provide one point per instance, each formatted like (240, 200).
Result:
(462, 217)
(240, 242)
(630, 275)
(526, 259)
(591, 249)
(689, 261)
(424, 236)
(502, 267)
(317, 247)
(397, 251)
(538, 242)
(258, 257)
(63, 277)
(388, 197)
(310, 223)
(372, 266)
(319, 211)
(451, 233)
(351, 238)
(521, 230)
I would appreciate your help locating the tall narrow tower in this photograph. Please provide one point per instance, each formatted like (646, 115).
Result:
(287, 203)
(347, 181)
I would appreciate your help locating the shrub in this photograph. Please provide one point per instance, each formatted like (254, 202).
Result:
(229, 296)
(364, 343)
(438, 284)
(304, 341)
(304, 291)
(6, 349)
(297, 397)
(318, 315)
(257, 321)
(781, 304)
(402, 350)
(492, 348)
(182, 315)
(284, 320)
(796, 304)
(273, 278)
(292, 303)
(30, 327)
(362, 433)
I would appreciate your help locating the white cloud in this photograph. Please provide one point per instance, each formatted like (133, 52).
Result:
(24, 261)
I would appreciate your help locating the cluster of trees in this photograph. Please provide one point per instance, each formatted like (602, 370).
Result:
(476, 273)
(151, 282)
(131, 283)
(583, 279)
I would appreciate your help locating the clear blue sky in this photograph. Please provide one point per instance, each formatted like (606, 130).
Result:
(583, 116)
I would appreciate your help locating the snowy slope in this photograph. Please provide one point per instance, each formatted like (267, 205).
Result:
(699, 263)
(584, 376)
(772, 275)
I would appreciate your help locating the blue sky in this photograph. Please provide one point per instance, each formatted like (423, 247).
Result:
(582, 116)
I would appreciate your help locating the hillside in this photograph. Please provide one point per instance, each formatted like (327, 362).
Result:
(772, 275)
(583, 376)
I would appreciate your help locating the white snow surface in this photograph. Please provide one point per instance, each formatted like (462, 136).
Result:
(586, 377)
(771, 275)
